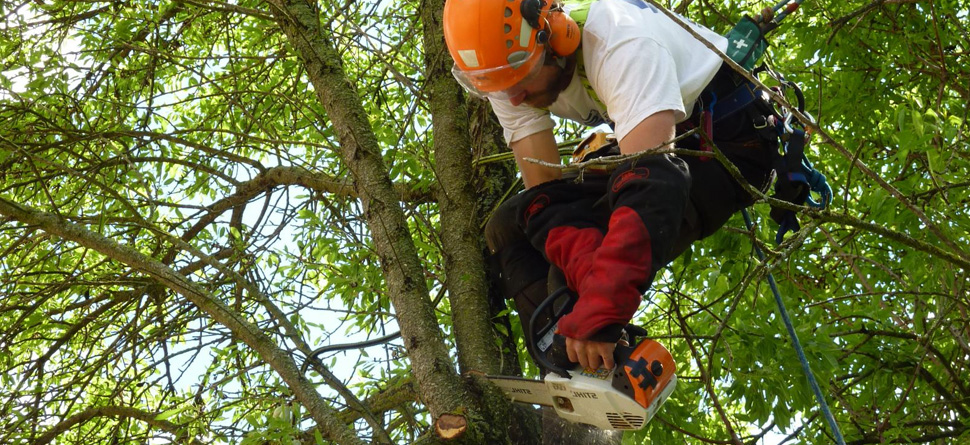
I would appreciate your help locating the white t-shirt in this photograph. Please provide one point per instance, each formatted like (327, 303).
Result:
(637, 60)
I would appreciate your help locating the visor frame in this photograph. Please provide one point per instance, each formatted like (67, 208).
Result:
(467, 78)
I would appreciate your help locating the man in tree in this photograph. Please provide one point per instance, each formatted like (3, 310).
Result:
(634, 68)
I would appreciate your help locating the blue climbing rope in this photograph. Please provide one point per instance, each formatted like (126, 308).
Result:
(797, 345)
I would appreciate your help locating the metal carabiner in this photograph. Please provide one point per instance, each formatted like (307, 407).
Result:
(786, 121)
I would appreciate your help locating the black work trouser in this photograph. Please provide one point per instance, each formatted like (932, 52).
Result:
(522, 272)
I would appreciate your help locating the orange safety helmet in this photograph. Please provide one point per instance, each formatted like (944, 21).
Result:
(497, 44)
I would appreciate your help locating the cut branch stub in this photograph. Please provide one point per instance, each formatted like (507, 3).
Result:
(450, 426)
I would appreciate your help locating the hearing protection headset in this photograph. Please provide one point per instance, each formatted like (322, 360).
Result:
(556, 29)
(497, 43)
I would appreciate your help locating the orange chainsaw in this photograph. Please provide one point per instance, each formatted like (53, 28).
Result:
(623, 398)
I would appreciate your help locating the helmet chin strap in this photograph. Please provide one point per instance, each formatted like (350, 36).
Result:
(567, 64)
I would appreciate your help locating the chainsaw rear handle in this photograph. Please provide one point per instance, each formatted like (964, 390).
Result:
(555, 345)
(550, 348)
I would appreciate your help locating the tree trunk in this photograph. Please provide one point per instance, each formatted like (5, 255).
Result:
(460, 235)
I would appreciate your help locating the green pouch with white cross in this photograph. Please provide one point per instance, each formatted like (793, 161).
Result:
(746, 43)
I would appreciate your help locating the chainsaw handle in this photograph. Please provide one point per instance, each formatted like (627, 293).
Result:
(557, 358)
(557, 345)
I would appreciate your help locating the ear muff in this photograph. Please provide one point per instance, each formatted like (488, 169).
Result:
(564, 32)
(556, 29)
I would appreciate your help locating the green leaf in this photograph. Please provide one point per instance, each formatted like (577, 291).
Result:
(935, 161)
(917, 123)
(901, 118)
(165, 415)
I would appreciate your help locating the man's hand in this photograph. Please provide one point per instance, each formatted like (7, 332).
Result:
(590, 354)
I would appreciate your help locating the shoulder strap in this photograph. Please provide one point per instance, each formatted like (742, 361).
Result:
(579, 11)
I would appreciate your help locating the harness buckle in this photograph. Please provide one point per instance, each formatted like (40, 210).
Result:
(760, 122)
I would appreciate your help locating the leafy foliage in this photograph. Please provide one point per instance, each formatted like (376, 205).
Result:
(195, 134)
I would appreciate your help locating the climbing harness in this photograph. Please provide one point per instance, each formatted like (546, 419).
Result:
(797, 178)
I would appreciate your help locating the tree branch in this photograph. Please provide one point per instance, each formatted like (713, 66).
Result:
(283, 176)
(116, 412)
(279, 360)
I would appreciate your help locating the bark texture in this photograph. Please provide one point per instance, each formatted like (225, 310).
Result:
(116, 412)
(460, 236)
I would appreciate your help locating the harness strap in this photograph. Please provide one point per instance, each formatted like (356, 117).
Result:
(579, 11)
(797, 179)
(581, 71)
(742, 96)
(707, 124)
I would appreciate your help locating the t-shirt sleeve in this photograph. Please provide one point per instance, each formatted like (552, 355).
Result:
(634, 88)
(521, 121)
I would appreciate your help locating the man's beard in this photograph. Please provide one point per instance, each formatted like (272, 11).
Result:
(558, 85)
(543, 99)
